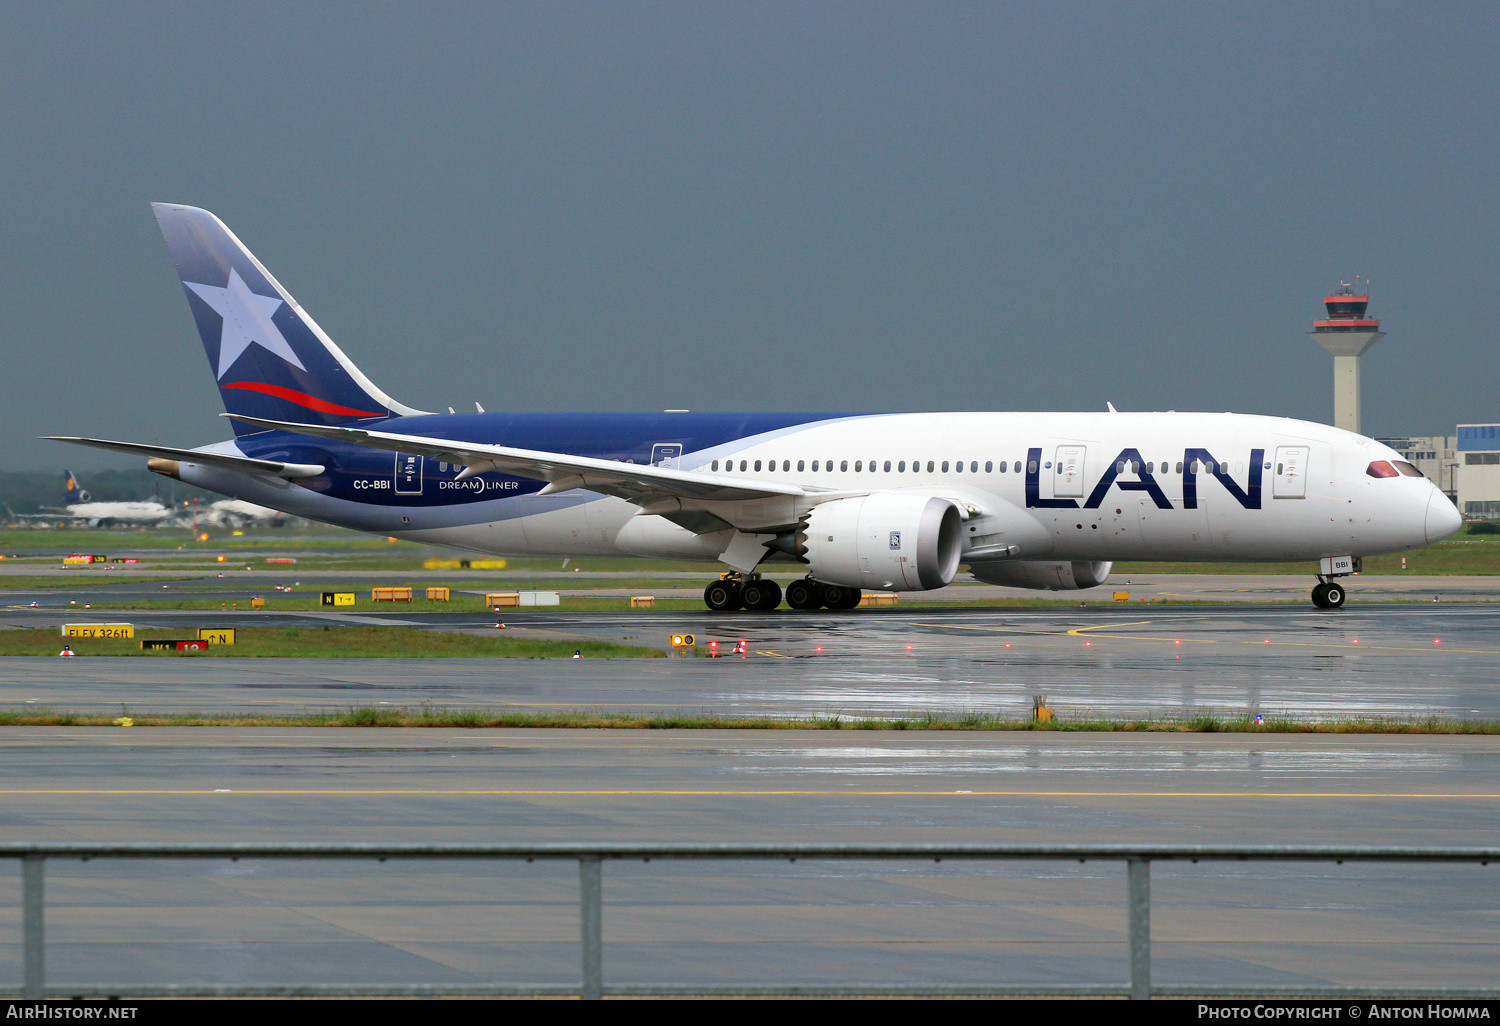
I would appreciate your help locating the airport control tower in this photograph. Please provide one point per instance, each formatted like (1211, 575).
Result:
(1347, 333)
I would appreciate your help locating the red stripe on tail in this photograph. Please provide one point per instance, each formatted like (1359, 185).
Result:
(301, 399)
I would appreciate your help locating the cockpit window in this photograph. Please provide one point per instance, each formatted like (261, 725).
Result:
(1407, 468)
(1380, 468)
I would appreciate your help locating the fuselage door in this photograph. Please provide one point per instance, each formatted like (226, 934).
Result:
(1290, 472)
(667, 454)
(1067, 481)
(408, 474)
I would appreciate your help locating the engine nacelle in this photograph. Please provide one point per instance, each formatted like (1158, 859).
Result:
(889, 541)
(1043, 576)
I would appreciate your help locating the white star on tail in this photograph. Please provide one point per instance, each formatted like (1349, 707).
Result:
(247, 321)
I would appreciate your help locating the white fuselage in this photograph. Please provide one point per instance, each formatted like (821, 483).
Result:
(1315, 497)
(120, 512)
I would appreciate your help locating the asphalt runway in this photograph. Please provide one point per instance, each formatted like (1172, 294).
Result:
(1406, 661)
(809, 922)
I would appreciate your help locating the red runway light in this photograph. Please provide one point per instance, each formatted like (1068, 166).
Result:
(1088, 644)
(1176, 641)
(818, 649)
(1268, 641)
(908, 648)
(1437, 641)
(1007, 644)
(1356, 641)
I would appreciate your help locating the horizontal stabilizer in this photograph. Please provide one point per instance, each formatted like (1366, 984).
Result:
(632, 481)
(208, 459)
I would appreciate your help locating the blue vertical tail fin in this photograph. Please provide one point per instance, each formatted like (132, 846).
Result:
(269, 358)
(72, 494)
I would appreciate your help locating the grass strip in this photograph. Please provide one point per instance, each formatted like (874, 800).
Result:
(379, 716)
(322, 642)
(167, 540)
(66, 580)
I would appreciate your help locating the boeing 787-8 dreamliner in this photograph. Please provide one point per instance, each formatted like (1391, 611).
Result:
(866, 502)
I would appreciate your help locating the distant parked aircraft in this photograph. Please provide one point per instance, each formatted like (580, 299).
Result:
(237, 513)
(105, 514)
(79, 507)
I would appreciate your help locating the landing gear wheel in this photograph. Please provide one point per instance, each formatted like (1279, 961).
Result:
(762, 596)
(1328, 595)
(722, 596)
(803, 594)
(836, 596)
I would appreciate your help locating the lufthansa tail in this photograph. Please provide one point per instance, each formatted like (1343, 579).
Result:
(270, 359)
(71, 492)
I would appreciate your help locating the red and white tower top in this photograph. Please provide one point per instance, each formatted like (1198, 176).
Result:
(1346, 334)
(1346, 309)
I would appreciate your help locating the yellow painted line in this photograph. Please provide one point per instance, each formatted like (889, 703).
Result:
(989, 630)
(751, 794)
(1061, 634)
(1212, 641)
(1340, 645)
(1106, 626)
(773, 655)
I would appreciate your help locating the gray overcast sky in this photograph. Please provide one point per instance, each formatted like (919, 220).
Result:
(804, 206)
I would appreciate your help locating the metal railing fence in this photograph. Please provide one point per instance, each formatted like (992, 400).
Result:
(591, 859)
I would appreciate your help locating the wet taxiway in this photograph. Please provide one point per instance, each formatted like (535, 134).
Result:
(104, 583)
(1407, 661)
(809, 922)
(258, 923)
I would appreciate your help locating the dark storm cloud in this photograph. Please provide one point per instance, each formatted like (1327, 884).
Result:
(795, 206)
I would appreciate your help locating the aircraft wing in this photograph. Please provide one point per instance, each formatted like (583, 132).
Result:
(634, 481)
(209, 459)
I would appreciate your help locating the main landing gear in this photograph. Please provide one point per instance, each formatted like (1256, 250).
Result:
(810, 594)
(741, 591)
(1328, 594)
(750, 591)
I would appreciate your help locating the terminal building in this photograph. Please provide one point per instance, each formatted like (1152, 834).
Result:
(1479, 471)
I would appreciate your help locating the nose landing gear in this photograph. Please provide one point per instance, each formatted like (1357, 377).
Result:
(1328, 595)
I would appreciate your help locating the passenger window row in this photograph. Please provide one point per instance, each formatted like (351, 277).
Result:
(990, 467)
(958, 466)
(873, 466)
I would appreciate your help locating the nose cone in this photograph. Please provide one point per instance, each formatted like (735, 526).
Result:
(1442, 517)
